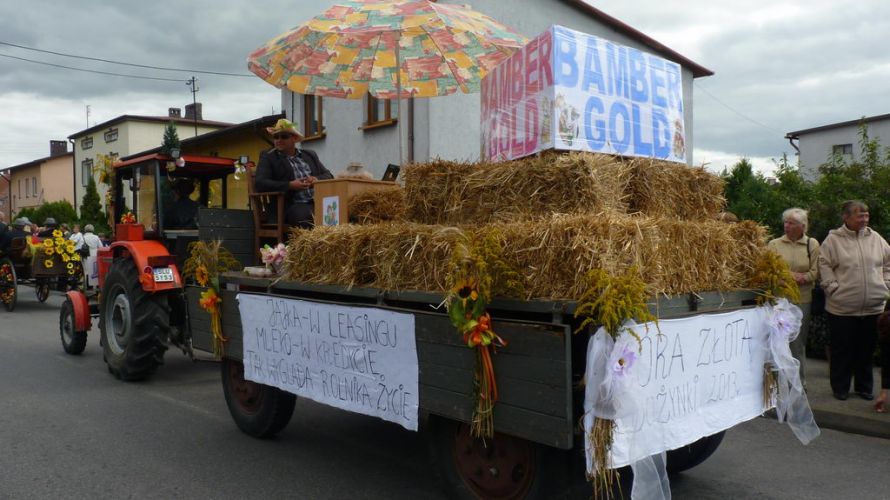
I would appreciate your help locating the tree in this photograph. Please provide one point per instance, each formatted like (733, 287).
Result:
(171, 138)
(91, 207)
(62, 211)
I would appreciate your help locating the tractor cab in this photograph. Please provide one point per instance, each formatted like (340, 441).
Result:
(164, 195)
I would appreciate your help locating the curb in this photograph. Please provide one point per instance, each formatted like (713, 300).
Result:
(826, 419)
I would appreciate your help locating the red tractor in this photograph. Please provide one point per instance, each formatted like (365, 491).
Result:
(139, 299)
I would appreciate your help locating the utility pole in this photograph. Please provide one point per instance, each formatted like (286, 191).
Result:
(88, 116)
(193, 85)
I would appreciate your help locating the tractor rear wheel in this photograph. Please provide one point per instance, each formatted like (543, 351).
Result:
(257, 409)
(134, 324)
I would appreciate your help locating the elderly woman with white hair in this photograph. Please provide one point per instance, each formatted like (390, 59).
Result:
(801, 253)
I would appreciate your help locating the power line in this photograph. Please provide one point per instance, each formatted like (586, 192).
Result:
(93, 71)
(727, 106)
(109, 61)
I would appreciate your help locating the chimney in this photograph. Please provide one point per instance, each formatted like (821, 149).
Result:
(58, 148)
(193, 111)
(174, 113)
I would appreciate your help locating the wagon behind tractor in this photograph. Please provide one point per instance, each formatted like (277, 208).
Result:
(48, 263)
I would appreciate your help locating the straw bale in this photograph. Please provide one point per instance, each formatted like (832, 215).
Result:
(667, 189)
(552, 255)
(373, 207)
(390, 256)
(444, 192)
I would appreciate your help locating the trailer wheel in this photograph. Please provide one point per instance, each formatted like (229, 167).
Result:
(258, 410)
(501, 468)
(8, 285)
(133, 323)
(689, 456)
(73, 341)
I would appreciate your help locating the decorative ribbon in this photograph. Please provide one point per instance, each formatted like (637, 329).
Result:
(609, 397)
(483, 338)
(792, 406)
(210, 302)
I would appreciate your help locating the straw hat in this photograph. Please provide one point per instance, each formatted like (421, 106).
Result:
(284, 126)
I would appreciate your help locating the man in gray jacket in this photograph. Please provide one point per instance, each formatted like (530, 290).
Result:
(855, 266)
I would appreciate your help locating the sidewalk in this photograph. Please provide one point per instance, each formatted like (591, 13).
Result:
(854, 415)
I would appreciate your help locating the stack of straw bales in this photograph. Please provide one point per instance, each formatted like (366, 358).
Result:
(557, 215)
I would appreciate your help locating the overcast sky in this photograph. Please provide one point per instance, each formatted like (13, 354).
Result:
(779, 66)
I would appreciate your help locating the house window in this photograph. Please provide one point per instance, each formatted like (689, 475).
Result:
(86, 142)
(842, 149)
(27, 187)
(86, 171)
(34, 186)
(111, 135)
(379, 112)
(20, 189)
(313, 118)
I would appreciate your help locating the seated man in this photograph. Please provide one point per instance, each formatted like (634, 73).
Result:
(49, 225)
(293, 170)
(183, 213)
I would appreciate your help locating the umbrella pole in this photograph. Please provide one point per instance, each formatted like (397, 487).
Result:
(399, 96)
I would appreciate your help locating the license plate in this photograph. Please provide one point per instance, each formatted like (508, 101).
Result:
(163, 274)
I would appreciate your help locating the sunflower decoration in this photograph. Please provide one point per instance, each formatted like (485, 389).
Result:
(201, 275)
(57, 233)
(48, 263)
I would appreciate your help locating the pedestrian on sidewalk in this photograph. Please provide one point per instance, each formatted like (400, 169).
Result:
(801, 253)
(855, 267)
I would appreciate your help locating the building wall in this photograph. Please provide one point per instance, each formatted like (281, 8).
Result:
(448, 126)
(816, 147)
(5, 200)
(23, 195)
(56, 179)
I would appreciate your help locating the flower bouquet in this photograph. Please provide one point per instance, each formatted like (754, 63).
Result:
(273, 257)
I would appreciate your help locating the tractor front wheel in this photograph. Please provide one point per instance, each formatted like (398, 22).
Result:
(73, 341)
(134, 324)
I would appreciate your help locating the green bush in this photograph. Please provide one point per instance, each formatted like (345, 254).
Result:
(62, 211)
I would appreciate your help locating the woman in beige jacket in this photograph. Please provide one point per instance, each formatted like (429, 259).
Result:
(801, 253)
(855, 268)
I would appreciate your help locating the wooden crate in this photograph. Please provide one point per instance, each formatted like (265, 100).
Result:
(339, 192)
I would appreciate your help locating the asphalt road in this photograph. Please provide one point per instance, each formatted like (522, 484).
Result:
(68, 429)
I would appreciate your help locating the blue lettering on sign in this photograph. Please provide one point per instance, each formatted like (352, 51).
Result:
(657, 84)
(674, 86)
(595, 142)
(617, 64)
(661, 134)
(641, 147)
(593, 70)
(619, 144)
(639, 88)
(566, 65)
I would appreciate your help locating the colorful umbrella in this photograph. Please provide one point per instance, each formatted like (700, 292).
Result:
(355, 47)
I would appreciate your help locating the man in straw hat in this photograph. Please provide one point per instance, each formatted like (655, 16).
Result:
(293, 170)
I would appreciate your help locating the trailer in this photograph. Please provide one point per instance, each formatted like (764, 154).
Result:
(538, 440)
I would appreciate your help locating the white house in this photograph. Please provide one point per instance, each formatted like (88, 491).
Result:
(342, 131)
(816, 146)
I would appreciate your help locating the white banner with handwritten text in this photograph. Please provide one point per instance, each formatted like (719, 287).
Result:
(687, 378)
(359, 359)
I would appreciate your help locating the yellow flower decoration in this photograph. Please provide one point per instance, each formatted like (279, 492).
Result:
(57, 233)
(48, 263)
(59, 241)
(48, 242)
(70, 265)
(75, 257)
(65, 257)
(49, 251)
